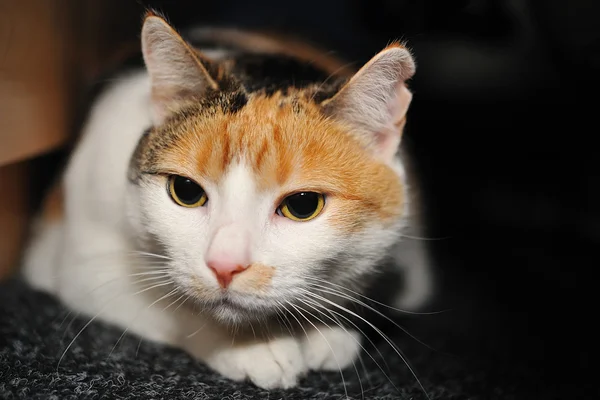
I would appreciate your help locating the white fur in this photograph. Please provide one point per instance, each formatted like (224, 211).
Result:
(88, 260)
(173, 68)
(269, 363)
(330, 349)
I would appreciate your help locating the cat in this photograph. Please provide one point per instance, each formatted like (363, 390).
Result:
(223, 193)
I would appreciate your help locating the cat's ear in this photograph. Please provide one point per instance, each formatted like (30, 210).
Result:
(176, 70)
(375, 100)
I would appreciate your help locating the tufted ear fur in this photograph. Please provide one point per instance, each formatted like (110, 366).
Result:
(375, 100)
(177, 72)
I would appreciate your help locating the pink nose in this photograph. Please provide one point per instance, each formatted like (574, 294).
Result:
(224, 271)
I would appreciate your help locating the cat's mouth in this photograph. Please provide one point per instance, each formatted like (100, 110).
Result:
(231, 305)
(232, 308)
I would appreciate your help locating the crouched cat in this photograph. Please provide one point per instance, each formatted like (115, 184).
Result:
(230, 189)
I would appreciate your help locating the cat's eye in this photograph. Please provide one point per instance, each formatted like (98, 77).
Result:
(186, 192)
(302, 206)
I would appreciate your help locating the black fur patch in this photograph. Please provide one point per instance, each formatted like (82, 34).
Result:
(328, 90)
(136, 159)
(235, 101)
(270, 73)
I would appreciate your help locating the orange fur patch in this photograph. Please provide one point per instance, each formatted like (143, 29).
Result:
(289, 149)
(257, 277)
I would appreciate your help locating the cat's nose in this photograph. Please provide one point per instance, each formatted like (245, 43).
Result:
(225, 270)
(229, 252)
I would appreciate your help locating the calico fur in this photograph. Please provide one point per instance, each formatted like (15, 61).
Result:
(251, 127)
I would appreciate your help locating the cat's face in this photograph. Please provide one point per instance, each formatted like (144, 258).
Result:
(257, 198)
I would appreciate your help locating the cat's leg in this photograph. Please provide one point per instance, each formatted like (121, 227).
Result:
(272, 362)
(100, 278)
(41, 255)
(330, 348)
(277, 361)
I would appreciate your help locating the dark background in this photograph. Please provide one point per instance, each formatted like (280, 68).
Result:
(502, 129)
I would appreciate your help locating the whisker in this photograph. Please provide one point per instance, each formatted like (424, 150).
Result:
(359, 355)
(424, 238)
(383, 335)
(172, 292)
(282, 314)
(67, 314)
(130, 255)
(152, 279)
(138, 347)
(365, 336)
(108, 271)
(103, 284)
(252, 327)
(297, 320)
(166, 296)
(173, 302)
(375, 301)
(169, 282)
(328, 344)
(87, 293)
(156, 272)
(81, 331)
(195, 332)
(334, 356)
(182, 303)
(352, 299)
(149, 254)
(68, 327)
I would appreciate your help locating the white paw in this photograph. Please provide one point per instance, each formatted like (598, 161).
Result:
(330, 348)
(274, 364)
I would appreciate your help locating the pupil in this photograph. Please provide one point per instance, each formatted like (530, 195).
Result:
(187, 191)
(303, 205)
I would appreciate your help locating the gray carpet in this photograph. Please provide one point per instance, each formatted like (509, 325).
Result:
(35, 330)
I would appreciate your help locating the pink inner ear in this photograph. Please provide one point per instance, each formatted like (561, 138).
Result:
(159, 109)
(387, 142)
(388, 139)
(401, 104)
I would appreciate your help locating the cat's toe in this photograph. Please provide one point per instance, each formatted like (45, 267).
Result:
(281, 366)
(269, 365)
(331, 348)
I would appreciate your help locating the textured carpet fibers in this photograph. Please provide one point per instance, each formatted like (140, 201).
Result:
(35, 330)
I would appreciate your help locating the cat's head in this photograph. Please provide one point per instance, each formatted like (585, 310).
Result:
(258, 198)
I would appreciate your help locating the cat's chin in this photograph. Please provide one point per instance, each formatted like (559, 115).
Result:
(231, 311)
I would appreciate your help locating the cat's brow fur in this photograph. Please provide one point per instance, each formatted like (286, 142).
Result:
(267, 112)
(286, 148)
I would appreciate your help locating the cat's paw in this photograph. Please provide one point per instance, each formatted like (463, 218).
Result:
(277, 363)
(330, 348)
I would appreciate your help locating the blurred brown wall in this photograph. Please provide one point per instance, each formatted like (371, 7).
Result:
(49, 51)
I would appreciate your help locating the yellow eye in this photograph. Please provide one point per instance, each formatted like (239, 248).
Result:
(302, 206)
(186, 192)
